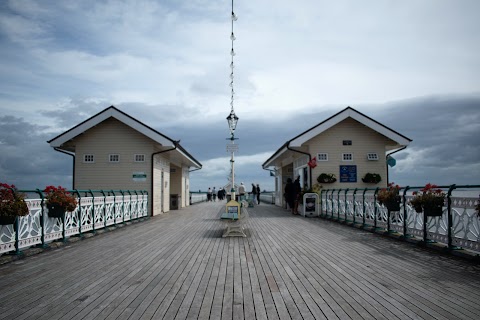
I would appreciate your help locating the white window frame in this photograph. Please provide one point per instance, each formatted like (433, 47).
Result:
(111, 157)
(372, 156)
(136, 156)
(322, 154)
(89, 158)
(346, 155)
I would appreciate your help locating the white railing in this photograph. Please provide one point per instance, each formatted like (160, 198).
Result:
(458, 227)
(96, 210)
(196, 197)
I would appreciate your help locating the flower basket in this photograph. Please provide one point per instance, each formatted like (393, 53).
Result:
(6, 220)
(326, 178)
(390, 197)
(12, 204)
(55, 211)
(434, 209)
(393, 204)
(372, 178)
(59, 201)
(430, 200)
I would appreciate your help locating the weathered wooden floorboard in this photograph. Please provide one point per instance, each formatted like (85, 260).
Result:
(178, 266)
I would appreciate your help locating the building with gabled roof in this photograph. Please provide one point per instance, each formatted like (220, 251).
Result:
(348, 145)
(113, 151)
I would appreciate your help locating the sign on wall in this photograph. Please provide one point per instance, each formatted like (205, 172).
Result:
(348, 173)
(139, 176)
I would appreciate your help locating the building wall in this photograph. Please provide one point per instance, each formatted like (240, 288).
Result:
(364, 140)
(112, 137)
(161, 181)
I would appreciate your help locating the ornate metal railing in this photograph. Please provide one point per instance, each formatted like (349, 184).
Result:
(458, 227)
(96, 209)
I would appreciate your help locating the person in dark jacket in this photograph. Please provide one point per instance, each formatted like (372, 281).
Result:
(289, 194)
(258, 193)
(254, 193)
(297, 189)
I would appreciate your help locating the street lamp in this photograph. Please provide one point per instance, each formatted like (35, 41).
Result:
(232, 123)
(232, 120)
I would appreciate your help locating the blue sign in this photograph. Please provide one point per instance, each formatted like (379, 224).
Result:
(391, 161)
(348, 173)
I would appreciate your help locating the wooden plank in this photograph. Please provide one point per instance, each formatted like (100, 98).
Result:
(177, 266)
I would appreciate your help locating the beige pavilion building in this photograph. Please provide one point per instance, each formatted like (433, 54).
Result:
(347, 145)
(113, 151)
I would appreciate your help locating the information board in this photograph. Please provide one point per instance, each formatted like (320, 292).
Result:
(310, 204)
(348, 173)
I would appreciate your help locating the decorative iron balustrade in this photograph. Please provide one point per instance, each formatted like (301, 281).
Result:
(457, 228)
(96, 209)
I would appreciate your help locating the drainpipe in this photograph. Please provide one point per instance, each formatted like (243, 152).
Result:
(73, 169)
(309, 159)
(151, 173)
(388, 155)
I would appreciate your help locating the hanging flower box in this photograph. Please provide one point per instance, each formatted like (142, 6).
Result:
(430, 200)
(12, 204)
(326, 178)
(59, 201)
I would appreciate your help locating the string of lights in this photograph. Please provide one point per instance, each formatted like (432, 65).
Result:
(232, 118)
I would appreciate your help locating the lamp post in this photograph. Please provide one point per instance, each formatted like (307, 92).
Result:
(232, 124)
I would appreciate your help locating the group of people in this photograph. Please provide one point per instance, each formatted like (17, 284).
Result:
(292, 194)
(213, 194)
(254, 194)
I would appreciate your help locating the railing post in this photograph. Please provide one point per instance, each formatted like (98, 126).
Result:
(354, 205)
(123, 205)
(42, 217)
(346, 205)
(80, 220)
(136, 194)
(449, 217)
(338, 204)
(93, 210)
(375, 209)
(104, 209)
(114, 208)
(364, 210)
(405, 217)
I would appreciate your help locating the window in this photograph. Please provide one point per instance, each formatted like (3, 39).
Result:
(372, 156)
(139, 158)
(114, 158)
(88, 158)
(347, 142)
(322, 157)
(347, 157)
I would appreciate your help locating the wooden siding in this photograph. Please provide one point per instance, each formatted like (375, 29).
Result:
(364, 140)
(112, 137)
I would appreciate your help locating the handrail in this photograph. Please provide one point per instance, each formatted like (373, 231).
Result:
(37, 228)
(449, 229)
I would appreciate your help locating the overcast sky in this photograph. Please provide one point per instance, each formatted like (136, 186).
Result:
(413, 65)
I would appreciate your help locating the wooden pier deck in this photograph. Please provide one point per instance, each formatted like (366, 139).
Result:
(178, 266)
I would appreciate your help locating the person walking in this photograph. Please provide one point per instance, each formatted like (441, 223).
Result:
(296, 195)
(214, 194)
(241, 192)
(254, 193)
(289, 196)
(209, 194)
(258, 193)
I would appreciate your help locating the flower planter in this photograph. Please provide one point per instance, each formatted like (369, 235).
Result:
(418, 209)
(435, 210)
(393, 204)
(6, 220)
(55, 211)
